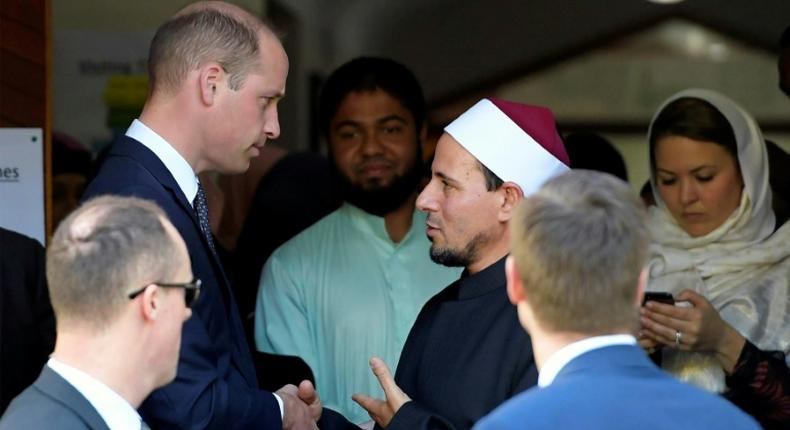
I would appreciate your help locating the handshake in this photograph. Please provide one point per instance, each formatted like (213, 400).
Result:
(301, 406)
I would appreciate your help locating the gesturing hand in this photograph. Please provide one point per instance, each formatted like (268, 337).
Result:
(382, 411)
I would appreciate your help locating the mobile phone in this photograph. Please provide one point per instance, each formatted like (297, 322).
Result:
(660, 297)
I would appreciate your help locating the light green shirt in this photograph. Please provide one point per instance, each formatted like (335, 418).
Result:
(342, 291)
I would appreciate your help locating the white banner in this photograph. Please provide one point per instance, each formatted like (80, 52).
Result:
(22, 181)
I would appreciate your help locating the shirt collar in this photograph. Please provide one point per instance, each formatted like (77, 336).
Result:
(490, 279)
(173, 161)
(377, 226)
(116, 412)
(566, 354)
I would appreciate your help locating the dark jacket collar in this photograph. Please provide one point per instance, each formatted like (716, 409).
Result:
(490, 279)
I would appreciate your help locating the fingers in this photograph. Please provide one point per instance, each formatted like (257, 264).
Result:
(648, 344)
(657, 318)
(307, 392)
(383, 374)
(692, 297)
(288, 389)
(376, 408)
(673, 311)
(296, 414)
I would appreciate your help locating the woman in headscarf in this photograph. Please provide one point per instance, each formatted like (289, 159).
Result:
(717, 250)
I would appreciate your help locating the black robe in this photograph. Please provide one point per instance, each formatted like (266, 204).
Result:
(465, 355)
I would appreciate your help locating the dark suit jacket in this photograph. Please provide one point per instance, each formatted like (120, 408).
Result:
(616, 387)
(216, 385)
(27, 324)
(51, 402)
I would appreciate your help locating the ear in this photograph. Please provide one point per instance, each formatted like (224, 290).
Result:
(210, 76)
(640, 286)
(151, 303)
(515, 288)
(511, 196)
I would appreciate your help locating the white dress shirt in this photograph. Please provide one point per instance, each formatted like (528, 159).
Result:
(178, 167)
(564, 355)
(116, 412)
(173, 161)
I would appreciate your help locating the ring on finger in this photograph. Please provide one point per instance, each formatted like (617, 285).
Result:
(678, 337)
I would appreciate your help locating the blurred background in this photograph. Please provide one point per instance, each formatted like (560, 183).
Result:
(77, 67)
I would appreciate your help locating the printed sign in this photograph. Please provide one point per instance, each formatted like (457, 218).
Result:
(22, 181)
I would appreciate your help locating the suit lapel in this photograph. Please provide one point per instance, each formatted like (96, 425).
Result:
(54, 386)
(128, 147)
(134, 149)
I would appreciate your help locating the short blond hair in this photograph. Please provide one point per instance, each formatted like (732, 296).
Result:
(204, 32)
(103, 250)
(579, 245)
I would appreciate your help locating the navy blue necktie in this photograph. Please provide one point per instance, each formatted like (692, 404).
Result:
(201, 208)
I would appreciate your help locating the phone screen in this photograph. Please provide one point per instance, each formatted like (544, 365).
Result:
(660, 297)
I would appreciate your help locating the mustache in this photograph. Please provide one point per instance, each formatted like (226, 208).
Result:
(373, 160)
(432, 222)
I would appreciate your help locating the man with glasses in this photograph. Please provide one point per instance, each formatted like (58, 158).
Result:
(121, 286)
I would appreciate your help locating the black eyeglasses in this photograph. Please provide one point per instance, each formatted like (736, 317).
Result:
(191, 290)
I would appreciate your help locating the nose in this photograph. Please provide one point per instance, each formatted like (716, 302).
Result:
(426, 201)
(271, 123)
(371, 145)
(688, 192)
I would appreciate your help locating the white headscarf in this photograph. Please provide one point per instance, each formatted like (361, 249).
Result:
(742, 267)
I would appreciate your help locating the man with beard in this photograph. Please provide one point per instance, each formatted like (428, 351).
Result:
(353, 283)
(467, 352)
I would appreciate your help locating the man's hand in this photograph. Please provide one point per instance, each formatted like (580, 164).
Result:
(309, 396)
(382, 411)
(297, 414)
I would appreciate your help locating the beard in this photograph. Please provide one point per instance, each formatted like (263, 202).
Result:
(378, 199)
(464, 257)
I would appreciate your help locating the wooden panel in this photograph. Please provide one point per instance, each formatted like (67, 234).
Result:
(22, 75)
(21, 108)
(22, 41)
(27, 12)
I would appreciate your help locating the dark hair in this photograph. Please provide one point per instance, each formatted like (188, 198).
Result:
(493, 182)
(591, 151)
(784, 39)
(369, 74)
(695, 119)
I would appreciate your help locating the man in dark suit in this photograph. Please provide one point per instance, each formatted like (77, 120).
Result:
(121, 286)
(27, 324)
(575, 274)
(216, 74)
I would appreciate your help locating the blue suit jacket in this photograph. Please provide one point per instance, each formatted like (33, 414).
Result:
(216, 385)
(616, 387)
(51, 402)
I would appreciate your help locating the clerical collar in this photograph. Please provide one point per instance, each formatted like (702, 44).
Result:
(490, 279)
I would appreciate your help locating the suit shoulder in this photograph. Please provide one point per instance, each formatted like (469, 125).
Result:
(34, 410)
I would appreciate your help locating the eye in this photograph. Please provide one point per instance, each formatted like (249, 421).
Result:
(704, 178)
(666, 181)
(347, 134)
(392, 129)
